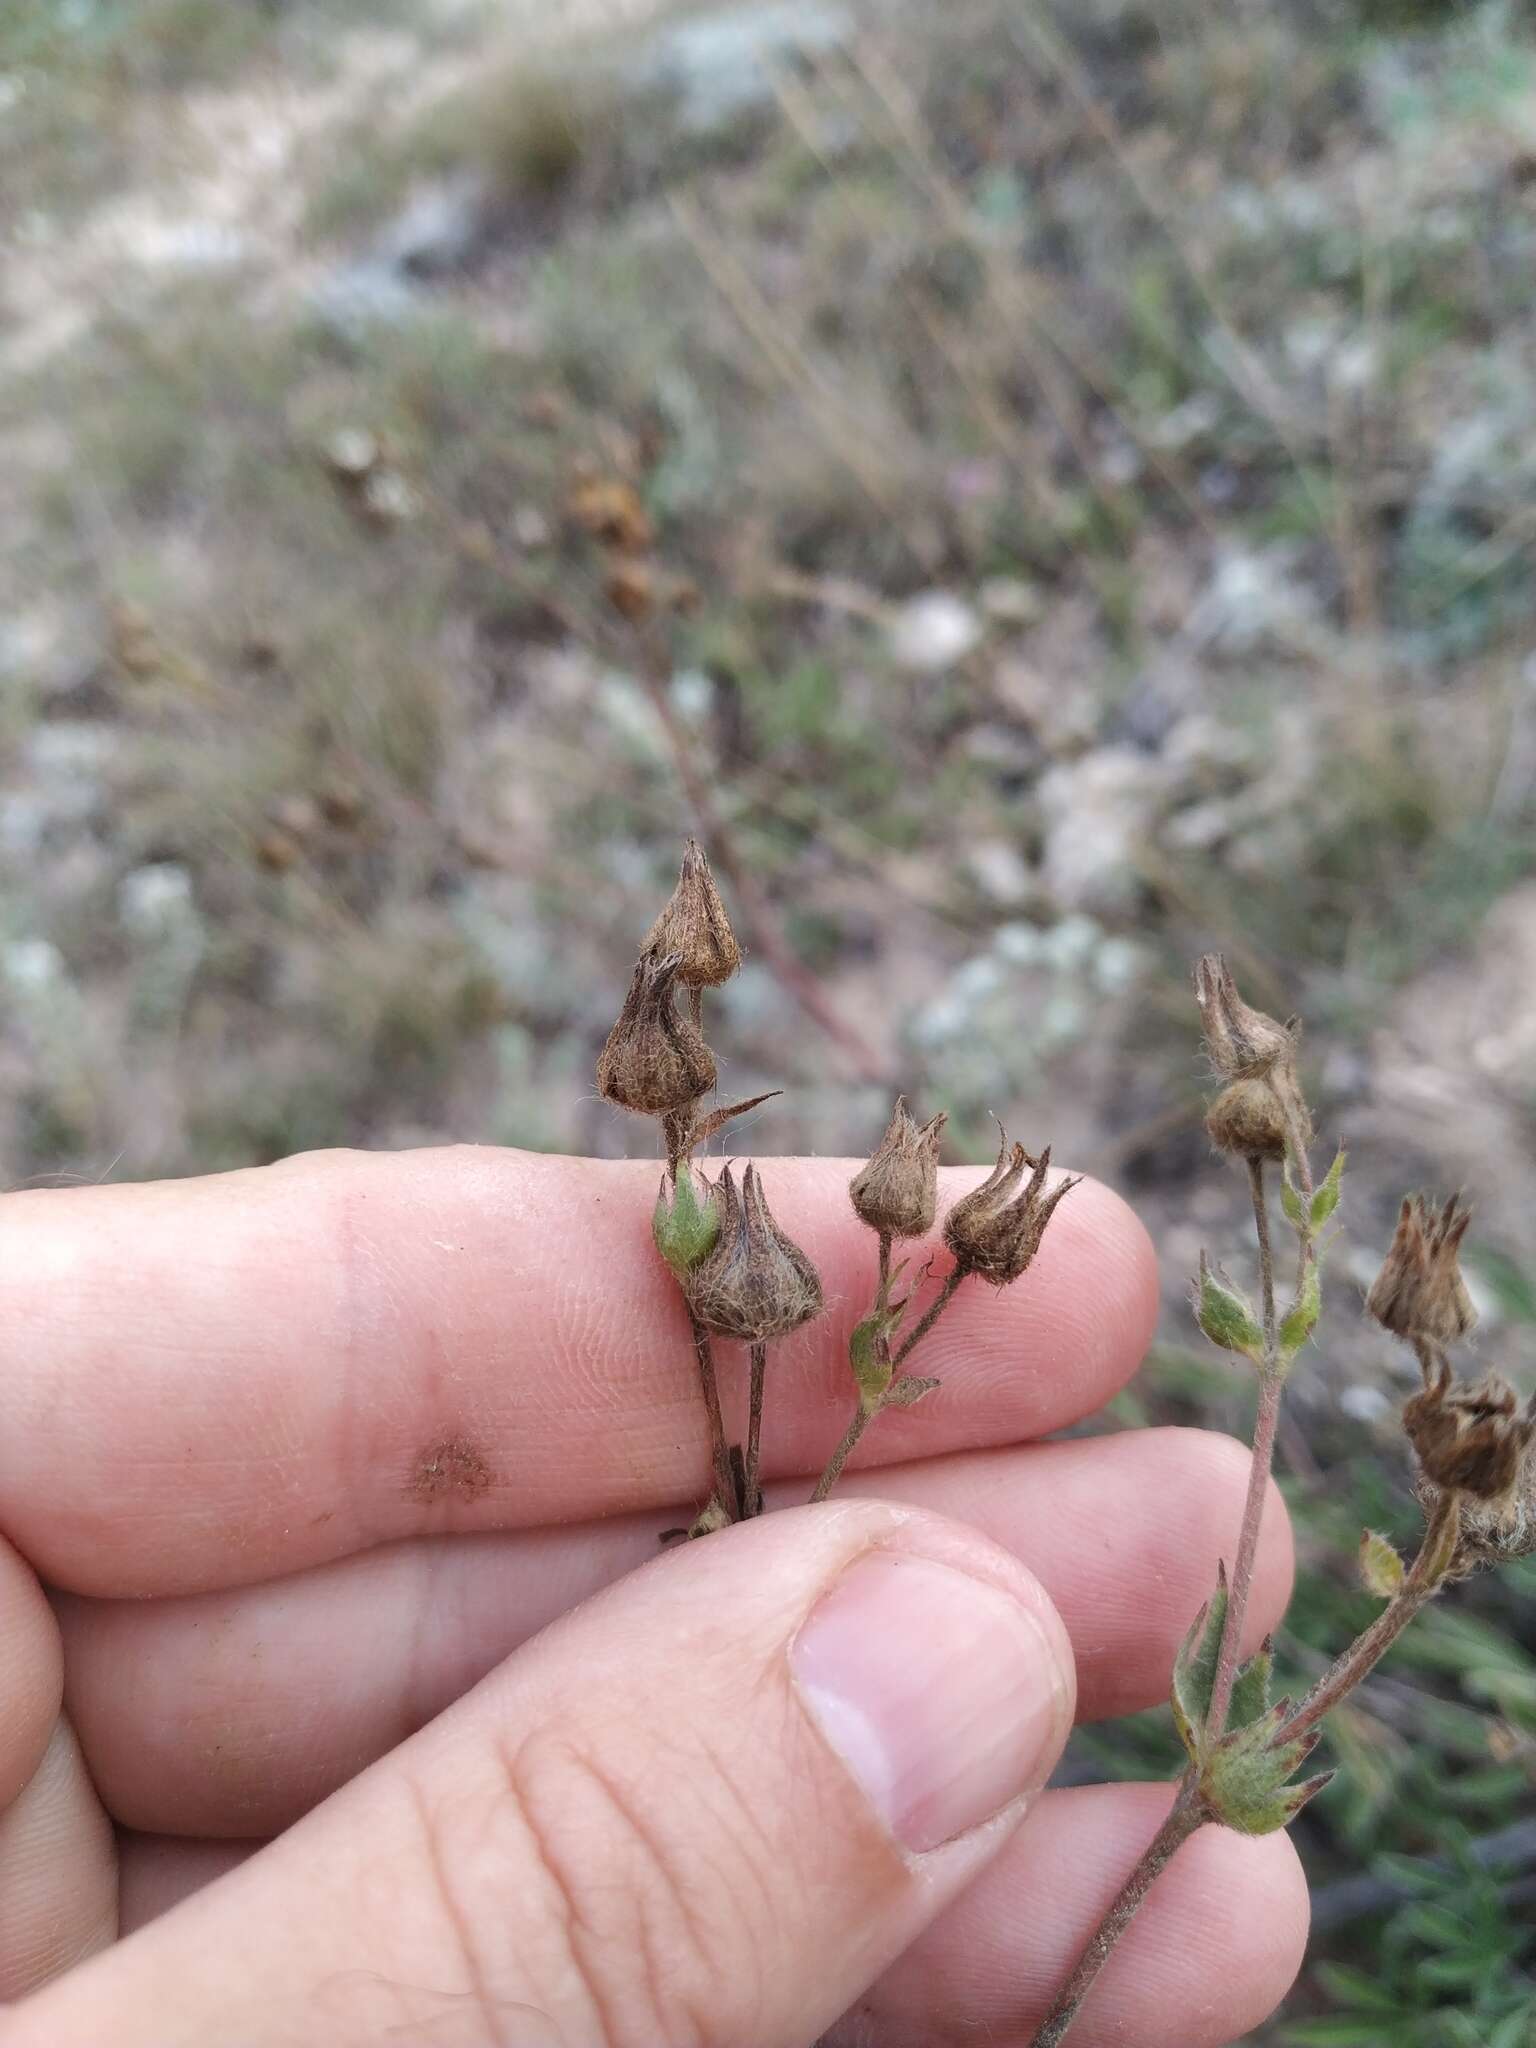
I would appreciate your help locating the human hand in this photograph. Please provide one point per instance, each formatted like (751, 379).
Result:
(312, 1457)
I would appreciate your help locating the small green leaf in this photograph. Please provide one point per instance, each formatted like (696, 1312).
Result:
(1381, 1569)
(1326, 1199)
(1194, 1669)
(1290, 1197)
(1250, 1692)
(1301, 1317)
(869, 1353)
(1224, 1315)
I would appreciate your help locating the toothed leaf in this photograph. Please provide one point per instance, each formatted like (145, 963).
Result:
(1194, 1669)
(1381, 1569)
(1244, 1778)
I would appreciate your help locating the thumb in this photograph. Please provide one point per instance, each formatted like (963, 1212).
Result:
(704, 1810)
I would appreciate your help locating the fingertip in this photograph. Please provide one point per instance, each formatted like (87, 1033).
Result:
(1248, 1912)
(31, 1673)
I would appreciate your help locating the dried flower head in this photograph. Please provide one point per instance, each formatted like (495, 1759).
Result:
(1419, 1292)
(1243, 1043)
(756, 1283)
(1470, 1437)
(996, 1230)
(896, 1193)
(1248, 1119)
(655, 1061)
(695, 927)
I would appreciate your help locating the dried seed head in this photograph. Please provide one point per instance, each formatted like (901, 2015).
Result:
(756, 1283)
(1248, 1119)
(1471, 1437)
(695, 927)
(996, 1230)
(1419, 1292)
(1243, 1043)
(897, 1191)
(1499, 1530)
(655, 1061)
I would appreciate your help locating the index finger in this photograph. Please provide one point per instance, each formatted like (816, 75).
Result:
(203, 1383)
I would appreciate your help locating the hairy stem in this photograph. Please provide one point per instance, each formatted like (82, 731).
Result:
(862, 1417)
(1185, 1817)
(1271, 1385)
(1425, 1577)
(753, 1503)
(1266, 1255)
(720, 1454)
(928, 1318)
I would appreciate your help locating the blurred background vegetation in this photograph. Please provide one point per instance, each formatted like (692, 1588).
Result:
(1046, 485)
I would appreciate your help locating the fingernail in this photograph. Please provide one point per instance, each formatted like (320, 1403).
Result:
(943, 1695)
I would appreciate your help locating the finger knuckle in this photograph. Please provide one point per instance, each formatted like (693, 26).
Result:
(627, 1926)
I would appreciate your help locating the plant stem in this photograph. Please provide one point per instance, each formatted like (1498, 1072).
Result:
(1425, 1576)
(929, 1317)
(753, 1503)
(1266, 1254)
(1185, 1817)
(1271, 1385)
(885, 1263)
(862, 1418)
(1247, 1550)
(720, 1455)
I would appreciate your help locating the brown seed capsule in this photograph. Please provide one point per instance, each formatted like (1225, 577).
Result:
(1248, 1119)
(695, 927)
(897, 1191)
(1243, 1043)
(1500, 1530)
(1419, 1292)
(995, 1230)
(756, 1283)
(655, 1061)
(1470, 1437)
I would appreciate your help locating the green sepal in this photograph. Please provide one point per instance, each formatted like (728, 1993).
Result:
(684, 1229)
(1326, 1199)
(1301, 1317)
(1194, 1669)
(1226, 1316)
(1381, 1569)
(1244, 1778)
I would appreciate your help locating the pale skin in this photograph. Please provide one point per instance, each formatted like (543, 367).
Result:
(306, 1457)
